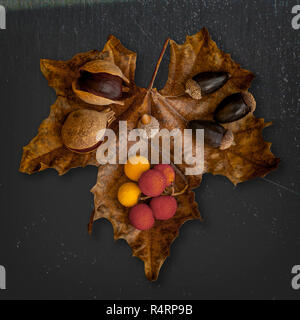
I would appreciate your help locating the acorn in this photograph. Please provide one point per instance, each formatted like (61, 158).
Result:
(150, 125)
(235, 107)
(206, 83)
(215, 135)
(100, 83)
(80, 132)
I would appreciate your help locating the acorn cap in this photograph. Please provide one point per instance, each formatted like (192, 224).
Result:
(149, 123)
(98, 66)
(79, 132)
(249, 100)
(227, 141)
(146, 119)
(193, 89)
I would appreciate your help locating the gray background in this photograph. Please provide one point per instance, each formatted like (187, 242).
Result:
(250, 239)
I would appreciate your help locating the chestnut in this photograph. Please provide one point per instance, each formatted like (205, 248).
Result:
(101, 82)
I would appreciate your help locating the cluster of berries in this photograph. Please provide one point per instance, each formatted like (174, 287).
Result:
(152, 183)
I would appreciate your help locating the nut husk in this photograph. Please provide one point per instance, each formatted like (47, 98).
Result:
(80, 130)
(109, 72)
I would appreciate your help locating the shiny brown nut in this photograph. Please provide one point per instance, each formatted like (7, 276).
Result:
(101, 83)
(235, 107)
(215, 135)
(206, 83)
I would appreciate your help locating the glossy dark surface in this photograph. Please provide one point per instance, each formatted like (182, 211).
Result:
(231, 109)
(213, 132)
(101, 84)
(211, 81)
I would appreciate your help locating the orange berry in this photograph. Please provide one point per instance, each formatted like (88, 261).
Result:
(135, 167)
(152, 183)
(164, 207)
(141, 217)
(168, 171)
(129, 194)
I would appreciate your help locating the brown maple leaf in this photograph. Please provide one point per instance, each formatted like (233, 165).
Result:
(47, 150)
(247, 158)
(250, 156)
(151, 246)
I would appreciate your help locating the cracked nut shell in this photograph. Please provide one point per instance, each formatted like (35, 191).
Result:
(100, 83)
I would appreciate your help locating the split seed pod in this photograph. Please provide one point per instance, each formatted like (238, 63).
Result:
(215, 135)
(235, 107)
(80, 130)
(100, 83)
(206, 83)
(150, 125)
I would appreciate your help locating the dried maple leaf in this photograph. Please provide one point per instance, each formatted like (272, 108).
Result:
(152, 246)
(46, 150)
(248, 158)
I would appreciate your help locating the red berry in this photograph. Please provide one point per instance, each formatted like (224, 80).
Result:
(164, 207)
(152, 183)
(141, 217)
(168, 171)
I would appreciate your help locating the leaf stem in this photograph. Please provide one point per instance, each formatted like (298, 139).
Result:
(173, 97)
(90, 225)
(158, 63)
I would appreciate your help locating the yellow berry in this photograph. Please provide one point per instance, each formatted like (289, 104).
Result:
(129, 194)
(135, 167)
